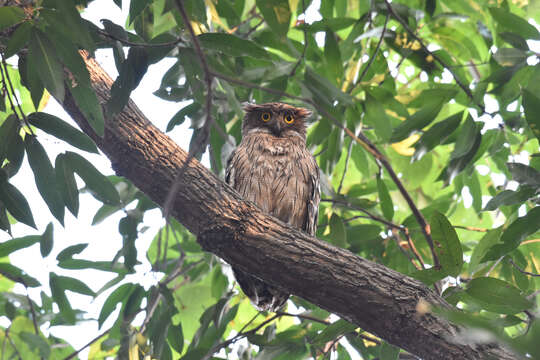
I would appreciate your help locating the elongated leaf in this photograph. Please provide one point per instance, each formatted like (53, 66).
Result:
(509, 197)
(19, 39)
(36, 342)
(277, 15)
(389, 352)
(531, 104)
(524, 174)
(465, 141)
(43, 58)
(67, 185)
(62, 130)
(120, 294)
(333, 330)
(387, 206)
(9, 131)
(232, 45)
(9, 246)
(514, 23)
(68, 252)
(75, 285)
(100, 186)
(16, 204)
(446, 243)
(44, 176)
(60, 298)
(332, 56)
(15, 274)
(9, 16)
(338, 234)
(46, 241)
(418, 120)
(497, 295)
(515, 234)
(175, 338)
(376, 117)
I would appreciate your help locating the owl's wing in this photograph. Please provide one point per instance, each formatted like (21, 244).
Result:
(313, 200)
(229, 170)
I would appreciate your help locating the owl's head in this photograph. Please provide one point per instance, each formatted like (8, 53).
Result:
(278, 119)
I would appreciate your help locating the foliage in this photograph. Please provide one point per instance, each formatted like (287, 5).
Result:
(447, 93)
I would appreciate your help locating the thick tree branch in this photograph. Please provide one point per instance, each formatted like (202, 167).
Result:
(377, 299)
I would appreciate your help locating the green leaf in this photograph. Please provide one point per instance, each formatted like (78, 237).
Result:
(376, 117)
(515, 234)
(9, 246)
(62, 130)
(514, 23)
(338, 234)
(46, 241)
(334, 330)
(510, 56)
(175, 337)
(436, 135)
(525, 175)
(388, 352)
(232, 45)
(429, 276)
(510, 197)
(180, 116)
(9, 16)
(120, 294)
(16, 204)
(277, 15)
(45, 177)
(19, 39)
(531, 104)
(60, 298)
(423, 117)
(497, 295)
(484, 245)
(446, 243)
(67, 185)
(387, 206)
(15, 274)
(75, 285)
(68, 252)
(332, 55)
(465, 141)
(100, 186)
(43, 58)
(36, 342)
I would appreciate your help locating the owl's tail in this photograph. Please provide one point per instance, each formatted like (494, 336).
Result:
(264, 297)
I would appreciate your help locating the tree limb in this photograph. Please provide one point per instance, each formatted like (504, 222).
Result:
(377, 299)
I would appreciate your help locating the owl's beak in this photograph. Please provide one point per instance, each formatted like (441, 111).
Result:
(276, 128)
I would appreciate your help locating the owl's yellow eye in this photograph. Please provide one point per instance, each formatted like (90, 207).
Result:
(265, 116)
(289, 119)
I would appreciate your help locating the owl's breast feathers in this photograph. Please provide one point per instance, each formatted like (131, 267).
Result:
(280, 175)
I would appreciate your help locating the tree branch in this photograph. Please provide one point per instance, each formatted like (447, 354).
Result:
(377, 299)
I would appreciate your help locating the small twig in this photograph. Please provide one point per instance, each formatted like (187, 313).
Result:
(301, 58)
(12, 345)
(254, 28)
(7, 82)
(239, 336)
(349, 151)
(435, 56)
(372, 58)
(494, 265)
(521, 270)
(252, 15)
(75, 353)
(471, 228)
(306, 317)
(529, 241)
(32, 311)
(533, 295)
(140, 44)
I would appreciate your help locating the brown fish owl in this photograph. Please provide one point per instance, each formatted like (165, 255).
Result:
(273, 168)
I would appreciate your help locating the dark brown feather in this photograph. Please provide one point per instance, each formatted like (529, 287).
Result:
(273, 168)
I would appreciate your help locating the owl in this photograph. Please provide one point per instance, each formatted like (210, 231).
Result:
(273, 168)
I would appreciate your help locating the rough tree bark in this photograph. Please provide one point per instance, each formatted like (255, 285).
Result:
(377, 299)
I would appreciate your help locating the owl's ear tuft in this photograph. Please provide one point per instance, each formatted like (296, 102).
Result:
(249, 107)
(301, 113)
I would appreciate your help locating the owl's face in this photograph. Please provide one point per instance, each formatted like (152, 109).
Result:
(278, 119)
